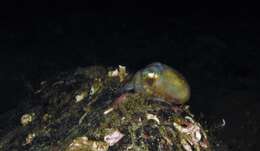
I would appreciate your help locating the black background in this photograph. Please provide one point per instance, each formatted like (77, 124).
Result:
(215, 46)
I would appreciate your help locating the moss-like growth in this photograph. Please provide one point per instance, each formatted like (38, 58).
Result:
(146, 124)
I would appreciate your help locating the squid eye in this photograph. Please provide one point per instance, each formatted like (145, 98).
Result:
(149, 81)
(151, 77)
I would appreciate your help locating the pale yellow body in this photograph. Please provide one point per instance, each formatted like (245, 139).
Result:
(161, 81)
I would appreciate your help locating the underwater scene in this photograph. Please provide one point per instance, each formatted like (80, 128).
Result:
(119, 76)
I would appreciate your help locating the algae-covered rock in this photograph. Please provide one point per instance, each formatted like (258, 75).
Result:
(94, 109)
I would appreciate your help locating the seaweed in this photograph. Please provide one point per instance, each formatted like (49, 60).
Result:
(62, 120)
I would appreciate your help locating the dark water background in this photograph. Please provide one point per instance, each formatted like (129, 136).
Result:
(216, 49)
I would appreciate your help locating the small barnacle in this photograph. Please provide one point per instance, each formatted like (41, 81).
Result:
(46, 117)
(152, 117)
(113, 73)
(80, 96)
(83, 143)
(96, 86)
(120, 72)
(27, 119)
(30, 137)
(113, 138)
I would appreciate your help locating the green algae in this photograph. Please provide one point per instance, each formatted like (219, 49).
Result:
(129, 116)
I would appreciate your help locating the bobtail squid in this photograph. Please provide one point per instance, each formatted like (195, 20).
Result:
(162, 82)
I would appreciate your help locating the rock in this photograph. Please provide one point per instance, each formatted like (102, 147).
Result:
(104, 119)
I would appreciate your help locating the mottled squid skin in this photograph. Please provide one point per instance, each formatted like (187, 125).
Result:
(161, 81)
